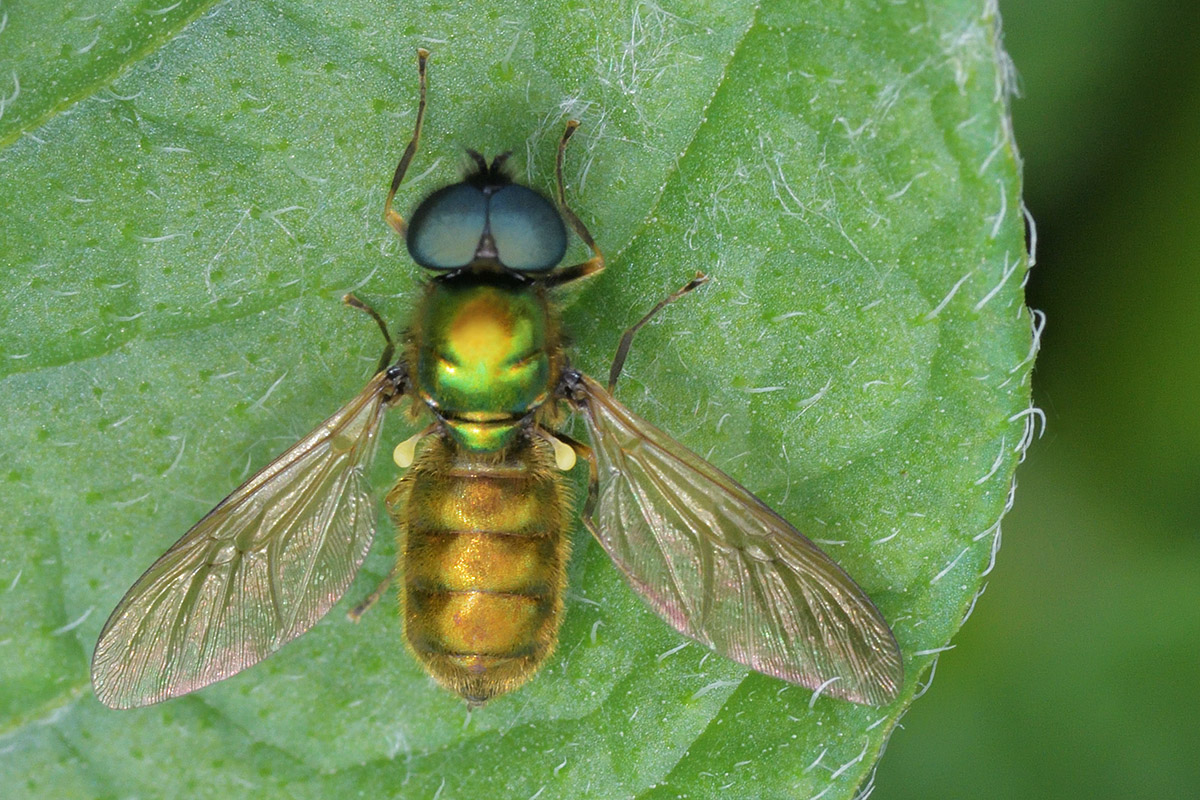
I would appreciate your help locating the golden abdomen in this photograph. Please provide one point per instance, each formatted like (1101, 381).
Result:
(485, 550)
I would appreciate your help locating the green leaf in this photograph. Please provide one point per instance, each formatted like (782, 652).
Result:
(188, 191)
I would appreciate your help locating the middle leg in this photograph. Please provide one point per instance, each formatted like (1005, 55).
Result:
(627, 338)
(389, 348)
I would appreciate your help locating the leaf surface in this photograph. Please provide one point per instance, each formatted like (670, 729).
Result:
(189, 190)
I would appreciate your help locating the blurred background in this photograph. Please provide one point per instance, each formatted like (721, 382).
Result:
(1077, 675)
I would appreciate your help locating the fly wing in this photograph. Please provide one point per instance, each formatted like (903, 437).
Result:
(721, 567)
(257, 571)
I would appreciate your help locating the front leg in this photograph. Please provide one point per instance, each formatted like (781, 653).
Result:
(390, 214)
(594, 264)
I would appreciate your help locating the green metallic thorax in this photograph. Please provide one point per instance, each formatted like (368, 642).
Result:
(485, 355)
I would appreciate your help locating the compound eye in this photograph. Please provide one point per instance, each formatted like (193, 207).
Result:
(527, 230)
(446, 228)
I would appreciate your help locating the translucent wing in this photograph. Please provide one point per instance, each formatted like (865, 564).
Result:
(721, 567)
(260, 569)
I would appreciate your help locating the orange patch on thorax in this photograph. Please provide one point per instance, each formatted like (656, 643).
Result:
(483, 331)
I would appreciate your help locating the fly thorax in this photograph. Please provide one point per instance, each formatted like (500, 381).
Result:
(482, 360)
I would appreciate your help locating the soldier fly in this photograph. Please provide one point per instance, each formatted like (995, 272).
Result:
(483, 510)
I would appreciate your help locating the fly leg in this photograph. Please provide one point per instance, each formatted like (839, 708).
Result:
(627, 338)
(593, 490)
(355, 614)
(596, 262)
(389, 349)
(403, 455)
(393, 218)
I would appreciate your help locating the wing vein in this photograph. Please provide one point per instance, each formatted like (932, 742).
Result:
(718, 565)
(258, 570)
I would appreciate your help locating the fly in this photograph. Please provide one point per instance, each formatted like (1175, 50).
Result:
(483, 509)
